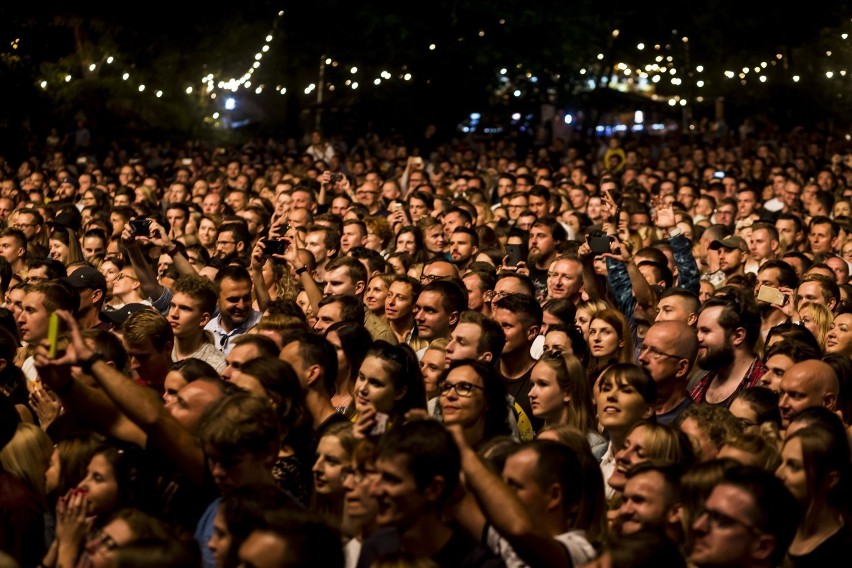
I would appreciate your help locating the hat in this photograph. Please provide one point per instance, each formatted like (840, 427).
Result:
(729, 242)
(119, 316)
(86, 277)
(67, 220)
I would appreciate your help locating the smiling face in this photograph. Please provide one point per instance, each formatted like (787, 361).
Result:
(375, 296)
(620, 405)
(328, 468)
(632, 453)
(374, 386)
(467, 411)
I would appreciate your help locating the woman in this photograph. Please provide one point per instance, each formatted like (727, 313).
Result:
(379, 234)
(586, 312)
(400, 262)
(276, 381)
(207, 231)
(610, 340)
(360, 507)
(474, 397)
(351, 342)
(817, 319)
(566, 340)
(184, 372)
(560, 395)
(839, 338)
(650, 441)
(433, 236)
(432, 365)
(64, 246)
(377, 292)
(110, 268)
(334, 453)
(389, 384)
(26, 457)
(625, 395)
(815, 468)
(754, 407)
(124, 527)
(420, 203)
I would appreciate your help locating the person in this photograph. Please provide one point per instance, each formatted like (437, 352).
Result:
(839, 340)
(351, 342)
(668, 353)
(292, 538)
(560, 395)
(728, 329)
(651, 499)
(334, 452)
(809, 383)
(586, 311)
(125, 527)
(400, 311)
(236, 316)
(625, 394)
(377, 292)
(39, 301)
(755, 407)
(519, 315)
(817, 319)
(473, 397)
(437, 309)
(418, 466)
(565, 279)
(389, 384)
(749, 520)
(708, 426)
(192, 306)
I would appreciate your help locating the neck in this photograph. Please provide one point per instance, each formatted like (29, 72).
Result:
(737, 369)
(774, 318)
(401, 327)
(475, 433)
(513, 365)
(319, 405)
(825, 522)
(669, 395)
(616, 438)
(428, 536)
(343, 386)
(185, 346)
(558, 417)
(89, 318)
(131, 297)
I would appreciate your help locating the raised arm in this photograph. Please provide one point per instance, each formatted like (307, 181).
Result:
(144, 272)
(160, 238)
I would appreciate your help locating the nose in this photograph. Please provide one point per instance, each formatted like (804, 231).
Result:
(327, 290)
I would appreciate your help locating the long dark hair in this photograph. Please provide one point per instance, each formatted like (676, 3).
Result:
(401, 363)
(496, 406)
(355, 341)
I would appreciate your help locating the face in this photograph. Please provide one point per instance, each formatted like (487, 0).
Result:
(776, 366)
(464, 342)
(839, 338)
(518, 335)
(547, 399)
(433, 321)
(787, 232)
(327, 315)
(727, 539)
(619, 404)
(798, 392)
(417, 209)
(633, 452)
(583, 320)
(564, 279)
(10, 250)
(399, 303)
(821, 239)
(519, 472)
(101, 548)
(328, 469)
(338, 281)
(467, 411)
(191, 401)
(351, 237)
(234, 301)
(603, 340)
(376, 295)
(100, 485)
(33, 319)
(358, 504)
(400, 501)
(432, 364)
(171, 385)
(220, 541)
(315, 242)
(715, 349)
(673, 308)
(644, 503)
(405, 243)
(185, 316)
(433, 239)
(792, 470)
(461, 248)
(374, 386)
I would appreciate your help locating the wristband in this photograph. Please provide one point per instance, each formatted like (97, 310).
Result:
(301, 270)
(87, 364)
(675, 232)
(173, 251)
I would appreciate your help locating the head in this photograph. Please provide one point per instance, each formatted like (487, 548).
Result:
(389, 380)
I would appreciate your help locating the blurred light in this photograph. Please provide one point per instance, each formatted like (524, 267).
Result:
(638, 117)
(269, 37)
(110, 59)
(795, 78)
(615, 33)
(683, 102)
(265, 48)
(503, 71)
(258, 90)
(431, 47)
(141, 88)
(230, 104)
(685, 39)
(829, 74)
(763, 64)
(67, 78)
(516, 116)
(600, 56)
(729, 74)
(828, 53)
(582, 71)
(215, 115)
(159, 94)
(310, 88)
(126, 76)
(481, 33)
(640, 47)
(672, 102)
(568, 119)
(655, 79)
(256, 64)
(258, 56)
(353, 70)
(377, 81)
(475, 116)
(328, 61)
(517, 93)
(44, 84)
(700, 83)
(92, 67)
(354, 85)
(763, 78)
(700, 68)
(407, 76)
(283, 90)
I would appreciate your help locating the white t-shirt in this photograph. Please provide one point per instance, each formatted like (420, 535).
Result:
(579, 549)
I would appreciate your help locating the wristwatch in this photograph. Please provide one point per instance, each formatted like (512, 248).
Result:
(87, 364)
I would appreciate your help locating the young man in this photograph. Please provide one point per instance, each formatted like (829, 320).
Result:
(236, 316)
(399, 311)
(40, 301)
(463, 247)
(193, 303)
(324, 243)
(437, 310)
(545, 236)
(13, 248)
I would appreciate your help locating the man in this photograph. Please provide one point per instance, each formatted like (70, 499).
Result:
(149, 341)
(437, 310)
(463, 247)
(748, 521)
(315, 362)
(369, 196)
(232, 242)
(453, 219)
(192, 305)
(479, 285)
(528, 515)
(651, 500)
(354, 235)
(475, 337)
(248, 348)
(668, 354)
(399, 311)
(212, 204)
(806, 384)
(819, 289)
(518, 203)
(775, 274)
(747, 200)
(40, 301)
(236, 316)
(237, 200)
(418, 467)
(539, 202)
(91, 287)
(732, 255)
(31, 223)
(520, 318)
(346, 276)
(790, 231)
(546, 234)
(840, 268)
(323, 243)
(177, 216)
(565, 279)
(13, 249)
(41, 269)
(438, 268)
(337, 308)
(764, 245)
(677, 304)
(823, 235)
(728, 329)
(291, 538)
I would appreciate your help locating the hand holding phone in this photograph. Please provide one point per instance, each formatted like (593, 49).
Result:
(381, 425)
(514, 255)
(771, 295)
(140, 227)
(274, 246)
(600, 244)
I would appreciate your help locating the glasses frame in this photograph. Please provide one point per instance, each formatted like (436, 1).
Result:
(445, 387)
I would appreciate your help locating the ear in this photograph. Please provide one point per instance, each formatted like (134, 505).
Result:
(682, 368)
(649, 411)
(97, 296)
(3, 364)
(832, 303)
(763, 547)
(554, 497)
(829, 400)
(486, 357)
(691, 319)
(359, 287)
(314, 373)
(401, 394)
(773, 245)
(532, 332)
(739, 336)
(205, 319)
(454, 319)
(434, 489)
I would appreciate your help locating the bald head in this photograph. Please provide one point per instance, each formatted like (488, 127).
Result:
(669, 351)
(679, 337)
(806, 384)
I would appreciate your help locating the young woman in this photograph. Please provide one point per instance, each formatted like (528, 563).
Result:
(625, 395)
(334, 452)
(360, 507)
(474, 396)
(110, 268)
(389, 384)
(815, 468)
(184, 372)
(560, 394)
(124, 527)
(377, 292)
(432, 365)
(754, 407)
(647, 441)
(839, 338)
(610, 341)
(817, 319)
(433, 236)
(351, 342)
(64, 246)
(409, 240)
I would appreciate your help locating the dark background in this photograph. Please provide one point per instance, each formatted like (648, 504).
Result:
(170, 45)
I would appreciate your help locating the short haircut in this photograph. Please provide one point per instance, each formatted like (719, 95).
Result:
(232, 272)
(830, 290)
(453, 296)
(265, 346)
(58, 296)
(797, 221)
(415, 285)
(240, 424)
(739, 310)
(557, 229)
(200, 289)
(487, 280)
(429, 452)
(309, 539)
(354, 268)
(525, 281)
(557, 464)
(316, 350)
(474, 236)
(55, 269)
(823, 220)
(786, 274)
(491, 338)
(148, 325)
(690, 298)
(523, 305)
(464, 214)
(375, 260)
(360, 224)
(351, 308)
(331, 238)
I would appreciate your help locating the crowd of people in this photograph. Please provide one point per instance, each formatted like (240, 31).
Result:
(620, 352)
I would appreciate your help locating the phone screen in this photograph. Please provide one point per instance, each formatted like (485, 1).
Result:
(514, 254)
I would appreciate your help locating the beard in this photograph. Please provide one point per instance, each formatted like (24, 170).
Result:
(718, 357)
(766, 309)
(536, 256)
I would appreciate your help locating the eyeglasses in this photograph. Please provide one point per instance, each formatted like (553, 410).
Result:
(657, 354)
(123, 275)
(223, 243)
(429, 278)
(463, 388)
(22, 225)
(720, 520)
(358, 475)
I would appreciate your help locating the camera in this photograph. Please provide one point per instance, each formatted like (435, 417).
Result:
(140, 227)
(599, 242)
(271, 246)
(335, 179)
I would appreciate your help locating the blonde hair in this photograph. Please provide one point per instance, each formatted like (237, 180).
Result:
(822, 318)
(27, 455)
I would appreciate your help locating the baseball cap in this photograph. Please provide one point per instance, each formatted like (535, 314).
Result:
(729, 242)
(119, 316)
(86, 277)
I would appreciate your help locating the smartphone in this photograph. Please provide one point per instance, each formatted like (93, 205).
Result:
(271, 246)
(381, 424)
(140, 227)
(515, 254)
(52, 333)
(719, 174)
(417, 162)
(600, 244)
(396, 206)
(771, 295)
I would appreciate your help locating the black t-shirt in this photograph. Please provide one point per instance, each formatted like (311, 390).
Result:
(461, 551)
(520, 389)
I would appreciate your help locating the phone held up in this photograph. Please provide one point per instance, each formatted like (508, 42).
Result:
(599, 242)
(140, 227)
(771, 295)
(515, 255)
(274, 246)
